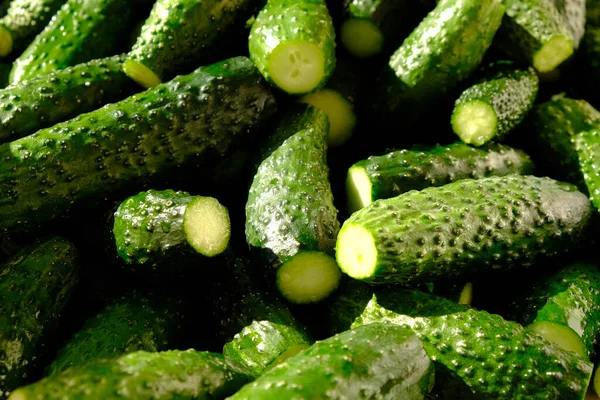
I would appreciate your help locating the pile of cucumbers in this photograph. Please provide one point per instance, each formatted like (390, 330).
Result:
(299, 199)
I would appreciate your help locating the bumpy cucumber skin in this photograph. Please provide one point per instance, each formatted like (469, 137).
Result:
(290, 204)
(25, 19)
(285, 20)
(400, 171)
(129, 324)
(510, 91)
(182, 374)
(374, 361)
(587, 146)
(472, 225)
(35, 285)
(180, 32)
(193, 121)
(38, 103)
(486, 355)
(573, 13)
(82, 30)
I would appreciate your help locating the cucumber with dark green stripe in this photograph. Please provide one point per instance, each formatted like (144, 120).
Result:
(157, 136)
(173, 374)
(375, 361)
(29, 106)
(23, 21)
(491, 108)
(82, 30)
(292, 42)
(397, 172)
(35, 286)
(183, 32)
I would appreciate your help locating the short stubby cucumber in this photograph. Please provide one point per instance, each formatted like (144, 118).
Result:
(81, 30)
(194, 120)
(160, 226)
(397, 172)
(182, 374)
(496, 104)
(24, 19)
(465, 227)
(292, 42)
(131, 323)
(290, 214)
(35, 286)
(38, 103)
(377, 361)
(180, 32)
(587, 146)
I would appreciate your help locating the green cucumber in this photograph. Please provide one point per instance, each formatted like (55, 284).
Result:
(292, 42)
(465, 227)
(573, 13)
(38, 103)
(397, 172)
(587, 146)
(35, 286)
(378, 361)
(496, 104)
(23, 21)
(82, 30)
(158, 226)
(180, 32)
(194, 120)
(290, 215)
(181, 374)
(481, 355)
(128, 324)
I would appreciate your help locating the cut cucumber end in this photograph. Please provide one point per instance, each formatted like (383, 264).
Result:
(17, 395)
(466, 294)
(553, 53)
(141, 74)
(308, 277)
(361, 37)
(358, 189)
(563, 336)
(595, 382)
(356, 252)
(340, 112)
(474, 122)
(207, 226)
(6, 42)
(297, 67)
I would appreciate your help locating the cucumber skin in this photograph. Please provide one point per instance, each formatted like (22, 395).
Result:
(185, 32)
(38, 103)
(283, 20)
(480, 350)
(290, 204)
(573, 13)
(128, 324)
(350, 365)
(25, 19)
(472, 225)
(192, 121)
(511, 92)
(587, 146)
(35, 286)
(82, 30)
(185, 374)
(400, 171)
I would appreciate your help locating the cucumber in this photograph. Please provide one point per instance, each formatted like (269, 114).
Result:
(180, 32)
(182, 374)
(292, 42)
(290, 215)
(466, 227)
(131, 323)
(379, 361)
(496, 104)
(587, 146)
(573, 13)
(480, 355)
(397, 172)
(140, 140)
(81, 30)
(23, 21)
(35, 286)
(158, 227)
(42, 102)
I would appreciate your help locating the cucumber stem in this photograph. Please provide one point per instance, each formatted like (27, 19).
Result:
(475, 122)
(6, 42)
(207, 226)
(563, 336)
(361, 37)
(141, 74)
(297, 67)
